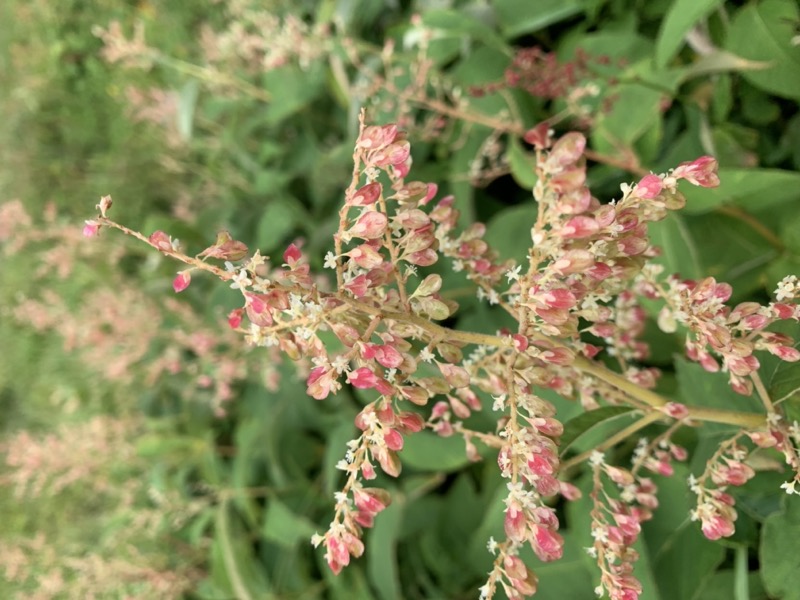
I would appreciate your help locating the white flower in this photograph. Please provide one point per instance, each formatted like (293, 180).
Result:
(426, 355)
(787, 287)
(458, 265)
(789, 487)
(597, 458)
(491, 545)
(340, 363)
(513, 274)
(317, 539)
(241, 281)
(330, 261)
(499, 402)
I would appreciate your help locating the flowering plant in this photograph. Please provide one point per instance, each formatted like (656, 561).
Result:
(581, 296)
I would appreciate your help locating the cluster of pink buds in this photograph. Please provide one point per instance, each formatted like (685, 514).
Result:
(726, 338)
(617, 515)
(715, 507)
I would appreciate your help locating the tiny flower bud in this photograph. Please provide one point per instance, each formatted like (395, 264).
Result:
(181, 281)
(91, 228)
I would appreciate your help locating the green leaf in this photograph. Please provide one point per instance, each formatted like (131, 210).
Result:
(585, 422)
(763, 31)
(462, 26)
(381, 552)
(239, 569)
(187, 103)
(784, 385)
(678, 251)
(680, 18)
(523, 165)
(698, 387)
(720, 61)
(780, 561)
(277, 221)
(509, 231)
(636, 108)
(756, 189)
(518, 17)
(426, 451)
(284, 527)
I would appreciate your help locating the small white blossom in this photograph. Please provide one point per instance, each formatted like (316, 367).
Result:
(494, 297)
(426, 355)
(458, 265)
(340, 497)
(330, 261)
(241, 281)
(597, 458)
(491, 545)
(591, 551)
(499, 402)
(789, 487)
(787, 288)
(513, 274)
(340, 363)
(317, 539)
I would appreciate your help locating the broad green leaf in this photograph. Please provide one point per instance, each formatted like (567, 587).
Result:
(680, 18)
(283, 526)
(635, 109)
(763, 31)
(720, 61)
(292, 89)
(426, 451)
(780, 561)
(686, 562)
(381, 551)
(711, 390)
(509, 232)
(278, 220)
(678, 251)
(523, 165)
(462, 26)
(518, 17)
(754, 189)
(784, 384)
(238, 567)
(583, 423)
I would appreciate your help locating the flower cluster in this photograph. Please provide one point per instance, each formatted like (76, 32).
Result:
(377, 332)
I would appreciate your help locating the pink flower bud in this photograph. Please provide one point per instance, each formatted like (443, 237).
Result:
(457, 377)
(292, 255)
(376, 136)
(520, 342)
(440, 409)
(701, 171)
(515, 524)
(371, 500)
(367, 194)
(558, 298)
(389, 462)
(91, 228)
(717, 527)
(539, 136)
(161, 241)
(365, 256)
(579, 227)
(787, 353)
(368, 471)
(370, 225)
(358, 286)
(649, 186)
(547, 544)
(409, 422)
(319, 383)
(235, 318)
(567, 150)
(569, 491)
(181, 281)
(417, 395)
(388, 357)
(676, 410)
(393, 439)
(362, 378)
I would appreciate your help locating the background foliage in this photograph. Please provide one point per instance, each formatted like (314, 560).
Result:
(149, 455)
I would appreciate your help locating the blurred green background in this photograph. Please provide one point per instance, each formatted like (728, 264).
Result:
(148, 454)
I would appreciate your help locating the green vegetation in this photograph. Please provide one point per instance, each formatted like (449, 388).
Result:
(150, 453)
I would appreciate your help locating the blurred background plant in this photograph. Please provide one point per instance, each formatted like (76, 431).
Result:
(148, 454)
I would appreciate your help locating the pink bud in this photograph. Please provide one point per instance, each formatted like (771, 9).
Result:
(676, 410)
(393, 439)
(558, 298)
(161, 241)
(515, 524)
(91, 228)
(547, 544)
(787, 353)
(717, 527)
(649, 186)
(292, 255)
(567, 150)
(371, 500)
(235, 318)
(367, 195)
(409, 422)
(579, 227)
(702, 171)
(539, 136)
(368, 471)
(319, 383)
(362, 378)
(569, 491)
(370, 225)
(358, 286)
(457, 377)
(376, 136)
(520, 342)
(181, 281)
